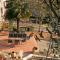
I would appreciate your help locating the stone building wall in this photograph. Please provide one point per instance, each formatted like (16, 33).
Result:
(2, 11)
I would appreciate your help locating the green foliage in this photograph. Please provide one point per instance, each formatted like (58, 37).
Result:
(16, 9)
(25, 11)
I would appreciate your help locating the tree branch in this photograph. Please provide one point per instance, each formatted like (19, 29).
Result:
(53, 10)
(51, 7)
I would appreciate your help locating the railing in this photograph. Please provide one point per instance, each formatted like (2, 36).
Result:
(17, 35)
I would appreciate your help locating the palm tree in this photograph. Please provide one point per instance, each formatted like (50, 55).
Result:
(16, 9)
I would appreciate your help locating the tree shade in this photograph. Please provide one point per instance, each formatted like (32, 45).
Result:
(16, 9)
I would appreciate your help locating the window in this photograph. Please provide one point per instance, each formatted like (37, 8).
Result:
(5, 4)
(1, 11)
(16, 42)
(9, 41)
(28, 29)
(33, 19)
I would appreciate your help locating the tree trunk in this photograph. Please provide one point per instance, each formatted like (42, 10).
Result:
(52, 8)
(10, 25)
(17, 25)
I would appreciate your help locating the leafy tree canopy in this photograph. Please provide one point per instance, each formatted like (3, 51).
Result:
(17, 9)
